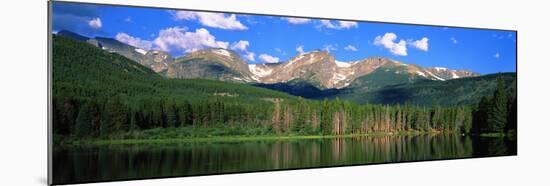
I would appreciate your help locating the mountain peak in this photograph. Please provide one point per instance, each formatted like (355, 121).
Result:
(153, 59)
(72, 35)
(443, 73)
(318, 67)
(219, 53)
(323, 70)
(211, 63)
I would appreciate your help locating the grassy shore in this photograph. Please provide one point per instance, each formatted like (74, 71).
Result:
(196, 139)
(201, 135)
(157, 136)
(498, 134)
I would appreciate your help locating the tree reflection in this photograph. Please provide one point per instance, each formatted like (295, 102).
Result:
(120, 162)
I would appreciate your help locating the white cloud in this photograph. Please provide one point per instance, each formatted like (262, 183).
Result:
(328, 24)
(128, 19)
(268, 59)
(497, 55)
(350, 48)
(134, 41)
(499, 36)
(454, 40)
(250, 56)
(388, 42)
(348, 24)
(339, 24)
(329, 48)
(421, 44)
(241, 45)
(216, 20)
(300, 49)
(95, 23)
(297, 21)
(280, 51)
(180, 39)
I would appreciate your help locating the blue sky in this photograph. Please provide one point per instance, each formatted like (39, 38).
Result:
(270, 39)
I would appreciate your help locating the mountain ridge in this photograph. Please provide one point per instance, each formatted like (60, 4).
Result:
(212, 63)
(318, 68)
(374, 80)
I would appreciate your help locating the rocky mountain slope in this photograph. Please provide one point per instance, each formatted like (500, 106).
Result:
(215, 63)
(317, 68)
(322, 69)
(154, 59)
(313, 75)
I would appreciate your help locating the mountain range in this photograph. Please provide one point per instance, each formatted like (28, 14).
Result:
(156, 60)
(316, 74)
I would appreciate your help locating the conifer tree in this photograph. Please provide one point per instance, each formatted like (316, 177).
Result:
(498, 112)
(88, 120)
(115, 118)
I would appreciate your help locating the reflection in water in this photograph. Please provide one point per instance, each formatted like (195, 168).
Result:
(120, 162)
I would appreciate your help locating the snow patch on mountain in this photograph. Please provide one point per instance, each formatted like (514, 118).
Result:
(141, 51)
(222, 52)
(259, 72)
(421, 73)
(342, 64)
(454, 75)
(292, 61)
(336, 78)
(436, 77)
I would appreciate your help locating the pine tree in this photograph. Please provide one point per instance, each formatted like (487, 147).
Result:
(480, 121)
(115, 117)
(87, 120)
(498, 112)
(467, 126)
(170, 114)
(511, 124)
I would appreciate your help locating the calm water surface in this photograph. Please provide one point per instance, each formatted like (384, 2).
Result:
(121, 162)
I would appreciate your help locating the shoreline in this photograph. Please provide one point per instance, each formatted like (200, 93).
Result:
(232, 138)
(137, 141)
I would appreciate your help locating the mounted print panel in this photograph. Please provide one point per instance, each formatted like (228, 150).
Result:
(140, 92)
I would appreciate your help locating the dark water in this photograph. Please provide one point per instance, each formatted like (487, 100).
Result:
(121, 162)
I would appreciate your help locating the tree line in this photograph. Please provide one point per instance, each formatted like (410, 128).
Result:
(120, 114)
(496, 113)
(100, 94)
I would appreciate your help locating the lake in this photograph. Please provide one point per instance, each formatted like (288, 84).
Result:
(122, 162)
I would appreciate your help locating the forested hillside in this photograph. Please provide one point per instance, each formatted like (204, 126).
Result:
(117, 92)
(384, 86)
(463, 91)
(97, 94)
